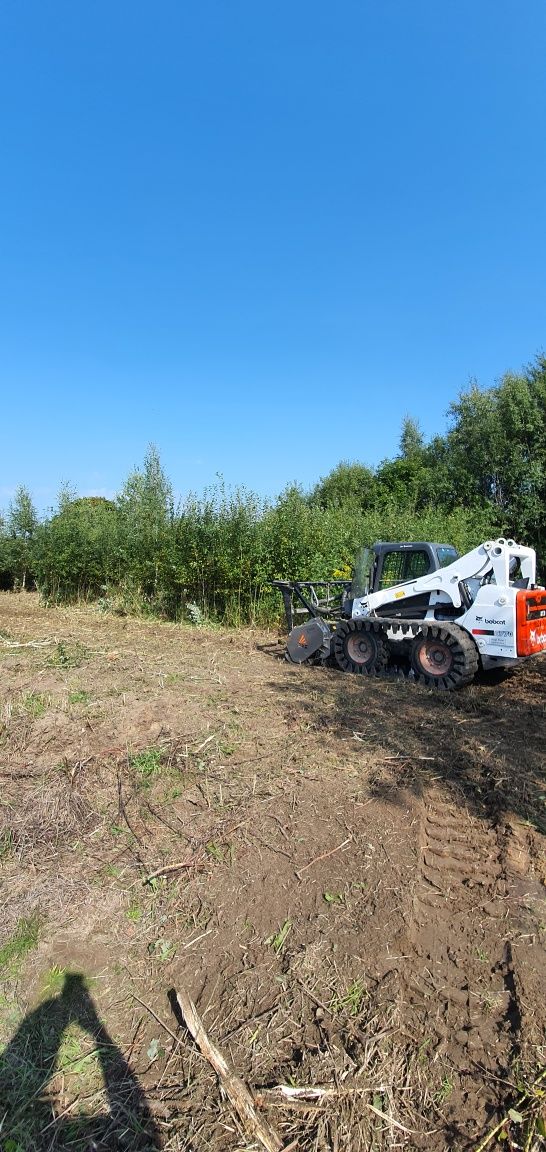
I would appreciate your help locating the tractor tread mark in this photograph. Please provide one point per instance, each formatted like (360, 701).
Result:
(469, 1000)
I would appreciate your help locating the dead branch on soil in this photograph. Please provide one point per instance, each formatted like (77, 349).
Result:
(286, 1093)
(28, 644)
(122, 811)
(317, 1095)
(323, 856)
(235, 1089)
(204, 744)
(198, 860)
(194, 863)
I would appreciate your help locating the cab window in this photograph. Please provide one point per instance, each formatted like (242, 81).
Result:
(401, 566)
(446, 555)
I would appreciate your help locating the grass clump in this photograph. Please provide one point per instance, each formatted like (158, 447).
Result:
(147, 764)
(35, 704)
(74, 1056)
(20, 943)
(53, 981)
(350, 1001)
(79, 697)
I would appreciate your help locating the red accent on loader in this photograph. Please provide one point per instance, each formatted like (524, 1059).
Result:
(531, 622)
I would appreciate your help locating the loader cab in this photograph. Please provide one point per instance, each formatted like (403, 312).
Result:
(388, 564)
(399, 563)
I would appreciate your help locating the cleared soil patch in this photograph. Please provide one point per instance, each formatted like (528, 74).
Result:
(347, 877)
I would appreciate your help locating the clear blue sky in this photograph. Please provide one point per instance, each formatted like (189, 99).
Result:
(258, 234)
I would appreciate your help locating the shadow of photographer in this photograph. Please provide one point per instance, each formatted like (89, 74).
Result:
(28, 1119)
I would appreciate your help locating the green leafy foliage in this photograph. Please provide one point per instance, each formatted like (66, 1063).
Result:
(17, 532)
(213, 558)
(77, 551)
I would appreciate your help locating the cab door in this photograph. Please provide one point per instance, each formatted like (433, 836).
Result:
(398, 565)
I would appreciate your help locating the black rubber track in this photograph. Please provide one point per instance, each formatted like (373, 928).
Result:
(464, 656)
(348, 631)
(464, 663)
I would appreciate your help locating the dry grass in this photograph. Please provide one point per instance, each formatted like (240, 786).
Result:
(181, 809)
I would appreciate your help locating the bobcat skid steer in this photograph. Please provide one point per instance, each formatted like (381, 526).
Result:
(421, 610)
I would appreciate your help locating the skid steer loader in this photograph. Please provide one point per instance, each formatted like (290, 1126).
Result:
(421, 610)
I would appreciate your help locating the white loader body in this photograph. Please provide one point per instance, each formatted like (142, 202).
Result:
(481, 579)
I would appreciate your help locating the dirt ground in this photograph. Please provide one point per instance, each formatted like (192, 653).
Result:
(347, 876)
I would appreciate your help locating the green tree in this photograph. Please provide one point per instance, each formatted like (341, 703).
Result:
(405, 480)
(411, 439)
(348, 485)
(146, 514)
(77, 551)
(496, 452)
(22, 522)
(6, 578)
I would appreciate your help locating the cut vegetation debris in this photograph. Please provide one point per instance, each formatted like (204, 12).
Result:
(359, 923)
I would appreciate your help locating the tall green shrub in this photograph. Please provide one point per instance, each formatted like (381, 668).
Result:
(145, 512)
(18, 539)
(77, 551)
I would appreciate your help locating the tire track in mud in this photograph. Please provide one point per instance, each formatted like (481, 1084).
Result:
(458, 986)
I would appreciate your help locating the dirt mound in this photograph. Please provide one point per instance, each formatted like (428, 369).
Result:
(347, 877)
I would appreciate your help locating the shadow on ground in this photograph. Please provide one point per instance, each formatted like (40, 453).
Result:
(33, 1119)
(486, 742)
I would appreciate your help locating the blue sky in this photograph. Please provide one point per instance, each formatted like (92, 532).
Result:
(258, 234)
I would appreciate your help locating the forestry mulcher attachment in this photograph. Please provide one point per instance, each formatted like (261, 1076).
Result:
(421, 610)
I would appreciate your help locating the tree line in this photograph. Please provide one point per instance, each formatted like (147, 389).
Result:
(214, 555)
